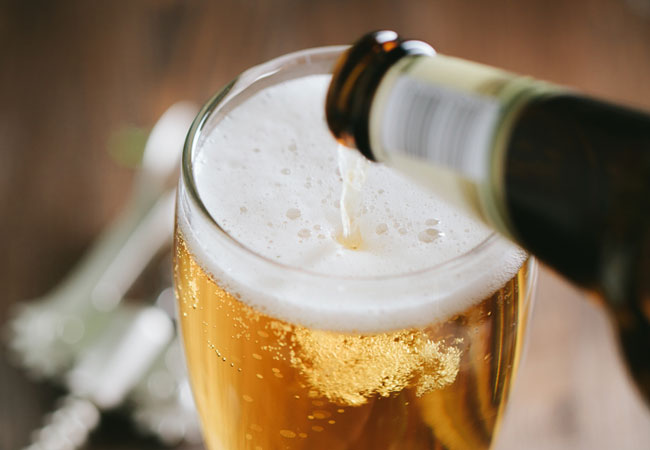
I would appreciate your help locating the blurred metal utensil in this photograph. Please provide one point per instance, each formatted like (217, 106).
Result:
(162, 401)
(45, 334)
(105, 353)
(104, 374)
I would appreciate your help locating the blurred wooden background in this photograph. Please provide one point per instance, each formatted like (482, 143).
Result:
(74, 72)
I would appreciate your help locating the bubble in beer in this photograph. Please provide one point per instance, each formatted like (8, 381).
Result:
(321, 414)
(286, 171)
(287, 434)
(304, 233)
(381, 228)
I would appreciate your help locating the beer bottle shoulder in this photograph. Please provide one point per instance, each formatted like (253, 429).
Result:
(576, 176)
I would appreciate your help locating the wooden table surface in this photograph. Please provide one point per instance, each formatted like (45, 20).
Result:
(74, 73)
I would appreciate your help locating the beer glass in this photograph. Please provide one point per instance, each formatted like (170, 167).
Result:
(290, 347)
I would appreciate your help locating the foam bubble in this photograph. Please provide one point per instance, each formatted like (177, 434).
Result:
(429, 235)
(293, 213)
(289, 193)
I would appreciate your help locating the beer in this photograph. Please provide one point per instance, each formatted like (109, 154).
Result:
(565, 176)
(409, 340)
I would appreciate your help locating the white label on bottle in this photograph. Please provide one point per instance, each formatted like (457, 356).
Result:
(441, 125)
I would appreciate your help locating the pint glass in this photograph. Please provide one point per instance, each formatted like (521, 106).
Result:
(293, 341)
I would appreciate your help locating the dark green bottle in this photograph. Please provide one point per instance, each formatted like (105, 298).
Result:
(565, 176)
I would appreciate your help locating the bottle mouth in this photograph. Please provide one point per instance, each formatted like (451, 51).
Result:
(355, 79)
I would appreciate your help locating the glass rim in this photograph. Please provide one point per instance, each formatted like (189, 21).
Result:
(228, 93)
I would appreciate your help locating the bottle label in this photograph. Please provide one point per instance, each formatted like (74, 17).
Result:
(445, 122)
(441, 125)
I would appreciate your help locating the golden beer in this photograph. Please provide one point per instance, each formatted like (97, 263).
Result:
(262, 383)
(294, 342)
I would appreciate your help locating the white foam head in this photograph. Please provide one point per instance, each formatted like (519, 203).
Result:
(268, 175)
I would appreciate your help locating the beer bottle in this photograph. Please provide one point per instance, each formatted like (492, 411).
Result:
(565, 176)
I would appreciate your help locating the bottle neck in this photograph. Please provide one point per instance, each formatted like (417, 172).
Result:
(354, 82)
